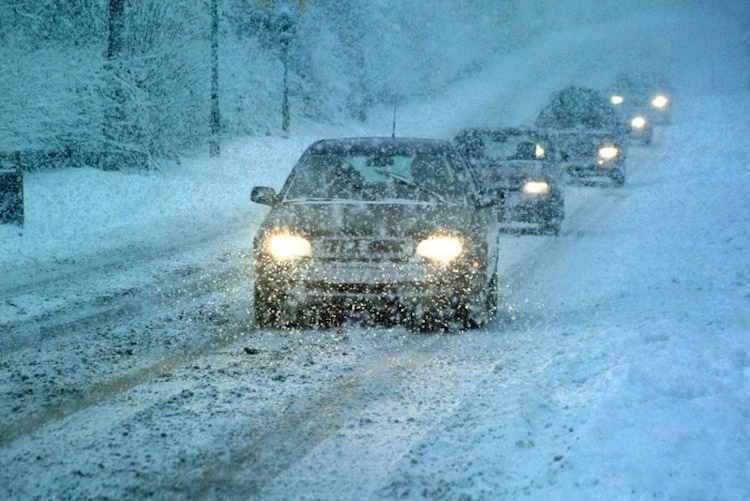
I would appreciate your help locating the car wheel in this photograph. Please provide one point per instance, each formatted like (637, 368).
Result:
(552, 226)
(429, 315)
(265, 309)
(477, 309)
(491, 297)
(618, 178)
(268, 306)
(554, 216)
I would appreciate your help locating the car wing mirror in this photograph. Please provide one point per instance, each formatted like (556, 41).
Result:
(264, 195)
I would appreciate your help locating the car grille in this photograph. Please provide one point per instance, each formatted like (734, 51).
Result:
(353, 289)
(362, 249)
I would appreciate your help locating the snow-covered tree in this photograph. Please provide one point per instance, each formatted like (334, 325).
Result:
(74, 99)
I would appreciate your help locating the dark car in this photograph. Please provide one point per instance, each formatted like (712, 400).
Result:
(642, 94)
(587, 132)
(391, 226)
(638, 119)
(516, 166)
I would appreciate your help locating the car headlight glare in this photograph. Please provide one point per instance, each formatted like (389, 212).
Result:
(539, 151)
(608, 153)
(660, 101)
(638, 122)
(287, 247)
(440, 248)
(615, 99)
(535, 188)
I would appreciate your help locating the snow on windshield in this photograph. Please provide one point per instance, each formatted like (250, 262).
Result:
(375, 176)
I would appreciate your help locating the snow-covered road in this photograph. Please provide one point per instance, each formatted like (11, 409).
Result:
(618, 366)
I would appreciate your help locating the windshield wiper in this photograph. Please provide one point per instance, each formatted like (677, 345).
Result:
(312, 199)
(408, 182)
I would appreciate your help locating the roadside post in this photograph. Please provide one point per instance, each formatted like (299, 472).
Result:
(11, 191)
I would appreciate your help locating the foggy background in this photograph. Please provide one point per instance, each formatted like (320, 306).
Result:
(345, 59)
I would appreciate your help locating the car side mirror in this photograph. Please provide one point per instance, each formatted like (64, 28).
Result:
(264, 195)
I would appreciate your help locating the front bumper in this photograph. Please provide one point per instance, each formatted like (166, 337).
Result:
(381, 281)
(584, 168)
(532, 209)
(642, 136)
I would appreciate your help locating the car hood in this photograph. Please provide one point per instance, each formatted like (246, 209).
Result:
(380, 219)
(584, 142)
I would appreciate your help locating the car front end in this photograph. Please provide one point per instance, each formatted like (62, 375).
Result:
(660, 104)
(371, 260)
(592, 155)
(532, 196)
(402, 238)
(640, 128)
(516, 168)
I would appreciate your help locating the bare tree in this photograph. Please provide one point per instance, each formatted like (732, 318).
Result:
(115, 104)
(215, 127)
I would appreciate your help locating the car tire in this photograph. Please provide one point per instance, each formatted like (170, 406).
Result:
(491, 296)
(552, 226)
(553, 220)
(618, 178)
(478, 309)
(268, 306)
(435, 314)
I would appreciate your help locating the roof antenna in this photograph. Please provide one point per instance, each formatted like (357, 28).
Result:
(393, 132)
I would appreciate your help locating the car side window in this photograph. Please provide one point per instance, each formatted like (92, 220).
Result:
(464, 174)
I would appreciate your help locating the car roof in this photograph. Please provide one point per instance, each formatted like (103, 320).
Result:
(524, 129)
(575, 107)
(379, 143)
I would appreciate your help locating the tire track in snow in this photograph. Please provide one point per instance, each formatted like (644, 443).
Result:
(80, 316)
(304, 424)
(57, 275)
(67, 393)
(302, 427)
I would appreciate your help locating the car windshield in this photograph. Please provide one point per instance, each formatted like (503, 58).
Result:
(510, 147)
(375, 176)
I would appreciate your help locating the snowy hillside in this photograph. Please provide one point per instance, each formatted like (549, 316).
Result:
(618, 368)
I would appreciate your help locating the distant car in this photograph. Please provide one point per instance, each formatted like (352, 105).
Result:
(638, 118)
(515, 165)
(642, 94)
(587, 132)
(396, 227)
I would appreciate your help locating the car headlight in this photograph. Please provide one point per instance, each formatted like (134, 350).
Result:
(608, 153)
(440, 248)
(660, 101)
(615, 99)
(287, 247)
(535, 188)
(638, 122)
(539, 151)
